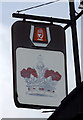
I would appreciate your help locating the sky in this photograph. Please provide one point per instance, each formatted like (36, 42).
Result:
(58, 10)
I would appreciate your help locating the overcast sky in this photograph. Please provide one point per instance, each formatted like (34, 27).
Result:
(58, 9)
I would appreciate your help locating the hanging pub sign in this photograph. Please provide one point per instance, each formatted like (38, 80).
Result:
(39, 64)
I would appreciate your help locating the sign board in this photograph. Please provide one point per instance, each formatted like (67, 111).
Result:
(39, 64)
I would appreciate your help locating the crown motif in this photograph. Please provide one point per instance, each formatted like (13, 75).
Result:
(40, 80)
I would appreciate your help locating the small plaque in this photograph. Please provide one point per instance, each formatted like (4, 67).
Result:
(40, 35)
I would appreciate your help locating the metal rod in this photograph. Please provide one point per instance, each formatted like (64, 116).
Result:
(37, 6)
(79, 15)
(41, 18)
(48, 111)
(75, 44)
(76, 17)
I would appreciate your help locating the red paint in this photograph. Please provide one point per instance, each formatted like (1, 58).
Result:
(26, 73)
(40, 35)
(55, 75)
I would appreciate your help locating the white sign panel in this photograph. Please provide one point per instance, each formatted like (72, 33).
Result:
(40, 76)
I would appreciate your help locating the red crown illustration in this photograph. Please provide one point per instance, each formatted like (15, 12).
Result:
(45, 83)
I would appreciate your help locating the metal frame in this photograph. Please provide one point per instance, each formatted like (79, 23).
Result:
(69, 23)
(41, 18)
